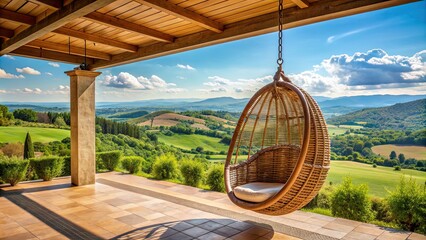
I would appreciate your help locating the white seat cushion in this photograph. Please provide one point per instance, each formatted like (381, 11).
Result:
(257, 191)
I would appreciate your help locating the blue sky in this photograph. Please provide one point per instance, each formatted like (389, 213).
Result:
(380, 52)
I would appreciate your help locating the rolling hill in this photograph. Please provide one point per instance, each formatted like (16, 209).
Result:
(410, 115)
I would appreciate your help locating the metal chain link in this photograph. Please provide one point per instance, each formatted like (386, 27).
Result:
(280, 60)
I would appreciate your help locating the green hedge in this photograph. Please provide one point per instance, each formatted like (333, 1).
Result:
(215, 178)
(192, 172)
(109, 160)
(132, 164)
(66, 170)
(165, 167)
(13, 169)
(47, 168)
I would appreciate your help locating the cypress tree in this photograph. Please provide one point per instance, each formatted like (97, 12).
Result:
(28, 147)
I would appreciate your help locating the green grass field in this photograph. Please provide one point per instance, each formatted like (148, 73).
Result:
(17, 134)
(417, 152)
(189, 142)
(379, 179)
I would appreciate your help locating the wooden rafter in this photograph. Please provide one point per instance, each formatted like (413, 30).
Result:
(129, 26)
(54, 4)
(17, 17)
(69, 49)
(96, 38)
(75, 9)
(183, 13)
(38, 53)
(301, 3)
(317, 11)
(7, 33)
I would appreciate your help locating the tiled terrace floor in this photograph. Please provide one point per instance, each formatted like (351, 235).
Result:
(128, 207)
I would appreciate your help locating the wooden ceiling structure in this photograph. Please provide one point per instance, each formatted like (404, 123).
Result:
(115, 32)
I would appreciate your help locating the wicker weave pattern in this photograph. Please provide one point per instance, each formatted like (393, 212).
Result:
(271, 130)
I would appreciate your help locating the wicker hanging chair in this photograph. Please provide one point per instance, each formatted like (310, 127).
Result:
(281, 139)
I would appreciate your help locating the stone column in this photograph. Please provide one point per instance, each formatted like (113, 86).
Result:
(83, 159)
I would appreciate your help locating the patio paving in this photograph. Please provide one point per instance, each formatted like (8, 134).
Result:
(121, 206)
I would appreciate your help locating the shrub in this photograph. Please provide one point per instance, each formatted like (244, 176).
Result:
(381, 210)
(351, 201)
(47, 168)
(165, 167)
(215, 178)
(13, 149)
(374, 165)
(28, 147)
(407, 204)
(132, 164)
(397, 168)
(322, 199)
(192, 172)
(110, 160)
(13, 169)
(66, 170)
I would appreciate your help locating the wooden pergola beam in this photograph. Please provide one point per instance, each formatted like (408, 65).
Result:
(69, 49)
(75, 9)
(17, 17)
(129, 26)
(183, 13)
(96, 38)
(301, 3)
(317, 12)
(7, 33)
(54, 4)
(38, 53)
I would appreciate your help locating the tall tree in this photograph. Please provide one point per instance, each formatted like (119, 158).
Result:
(401, 158)
(28, 147)
(392, 155)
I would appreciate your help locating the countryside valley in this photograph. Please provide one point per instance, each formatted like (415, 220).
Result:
(378, 146)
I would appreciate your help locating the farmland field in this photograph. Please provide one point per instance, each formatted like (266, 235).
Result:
(378, 180)
(17, 134)
(192, 141)
(417, 152)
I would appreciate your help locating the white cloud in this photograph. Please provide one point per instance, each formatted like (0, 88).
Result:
(4, 74)
(374, 70)
(53, 64)
(49, 74)
(62, 87)
(128, 81)
(175, 90)
(28, 70)
(3, 91)
(183, 66)
(29, 90)
(9, 57)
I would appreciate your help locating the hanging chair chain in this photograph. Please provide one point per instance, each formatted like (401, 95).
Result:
(280, 60)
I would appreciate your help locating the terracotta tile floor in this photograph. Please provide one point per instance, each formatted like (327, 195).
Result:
(122, 206)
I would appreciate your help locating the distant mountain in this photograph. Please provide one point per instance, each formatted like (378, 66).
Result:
(369, 101)
(410, 115)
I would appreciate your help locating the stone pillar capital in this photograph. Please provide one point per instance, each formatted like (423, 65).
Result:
(83, 73)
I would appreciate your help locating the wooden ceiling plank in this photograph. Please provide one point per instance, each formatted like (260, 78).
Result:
(54, 4)
(17, 17)
(38, 53)
(7, 33)
(129, 26)
(66, 49)
(75, 9)
(96, 38)
(184, 13)
(294, 17)
(301, 3)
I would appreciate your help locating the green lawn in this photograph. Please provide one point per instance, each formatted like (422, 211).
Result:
(379, 179)
(17, 134)
(192, 141)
